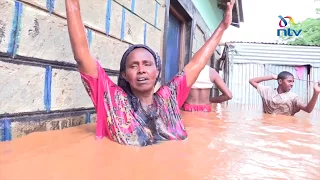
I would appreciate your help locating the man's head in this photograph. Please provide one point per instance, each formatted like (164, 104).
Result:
(285, 81)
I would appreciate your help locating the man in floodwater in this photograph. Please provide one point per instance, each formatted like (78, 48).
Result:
(280, 100)
(199, 97)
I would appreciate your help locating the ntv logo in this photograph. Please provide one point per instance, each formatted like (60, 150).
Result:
(287, 32)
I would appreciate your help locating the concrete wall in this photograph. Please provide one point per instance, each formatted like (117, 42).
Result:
(40, 87)
(212, 16)
(210, 12)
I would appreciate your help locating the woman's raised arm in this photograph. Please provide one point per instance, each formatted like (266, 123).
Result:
(200, 58)
(78, 39)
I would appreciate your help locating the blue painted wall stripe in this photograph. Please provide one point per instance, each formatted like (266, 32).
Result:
(14, 35)
(88, 118)
(108, 17)
(45, 95)
(45, 98)
(145, 34)
(17, 36)
(47, 88)
(156, 15)
(50, 5)
(133, 4)
(5, 129)
(1, 130)
(13, 30)
(89, 36)
(123, 20)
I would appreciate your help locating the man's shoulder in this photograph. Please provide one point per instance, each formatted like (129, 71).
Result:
(264, 87)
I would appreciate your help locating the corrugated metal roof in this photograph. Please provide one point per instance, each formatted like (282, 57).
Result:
(256, 42)
(274, 54)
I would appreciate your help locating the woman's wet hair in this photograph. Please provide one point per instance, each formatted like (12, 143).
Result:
(284, 75)
(124, 84)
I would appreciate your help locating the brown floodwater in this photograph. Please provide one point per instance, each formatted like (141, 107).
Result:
(231, 143)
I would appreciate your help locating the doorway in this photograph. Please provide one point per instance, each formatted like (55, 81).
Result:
(173, 48)
(178, 40)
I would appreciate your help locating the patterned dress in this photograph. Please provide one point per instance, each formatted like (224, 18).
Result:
(117, 120)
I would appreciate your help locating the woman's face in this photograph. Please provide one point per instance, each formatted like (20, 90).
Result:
(141, 71)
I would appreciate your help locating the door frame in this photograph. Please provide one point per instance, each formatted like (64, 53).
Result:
(176, 8)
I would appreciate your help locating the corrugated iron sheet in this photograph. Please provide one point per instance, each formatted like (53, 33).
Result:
(253, 60)
(248, 42)
(276, 54)
(242, 91)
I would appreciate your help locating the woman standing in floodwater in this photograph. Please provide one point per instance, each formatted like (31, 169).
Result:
(131, 113)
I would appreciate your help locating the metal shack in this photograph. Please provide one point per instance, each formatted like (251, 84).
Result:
(241, 61)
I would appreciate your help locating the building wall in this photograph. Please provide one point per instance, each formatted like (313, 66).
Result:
(212, 16)
(199, 39)
(210, 12)
(40, 87)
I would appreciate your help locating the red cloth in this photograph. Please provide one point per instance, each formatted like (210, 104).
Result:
(197, 107)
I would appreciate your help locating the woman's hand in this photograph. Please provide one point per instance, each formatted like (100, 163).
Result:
(227, 16)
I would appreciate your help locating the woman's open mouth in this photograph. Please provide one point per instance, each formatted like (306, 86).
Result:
(142, 80)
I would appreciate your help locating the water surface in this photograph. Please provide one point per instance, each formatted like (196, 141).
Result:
(237, 142)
